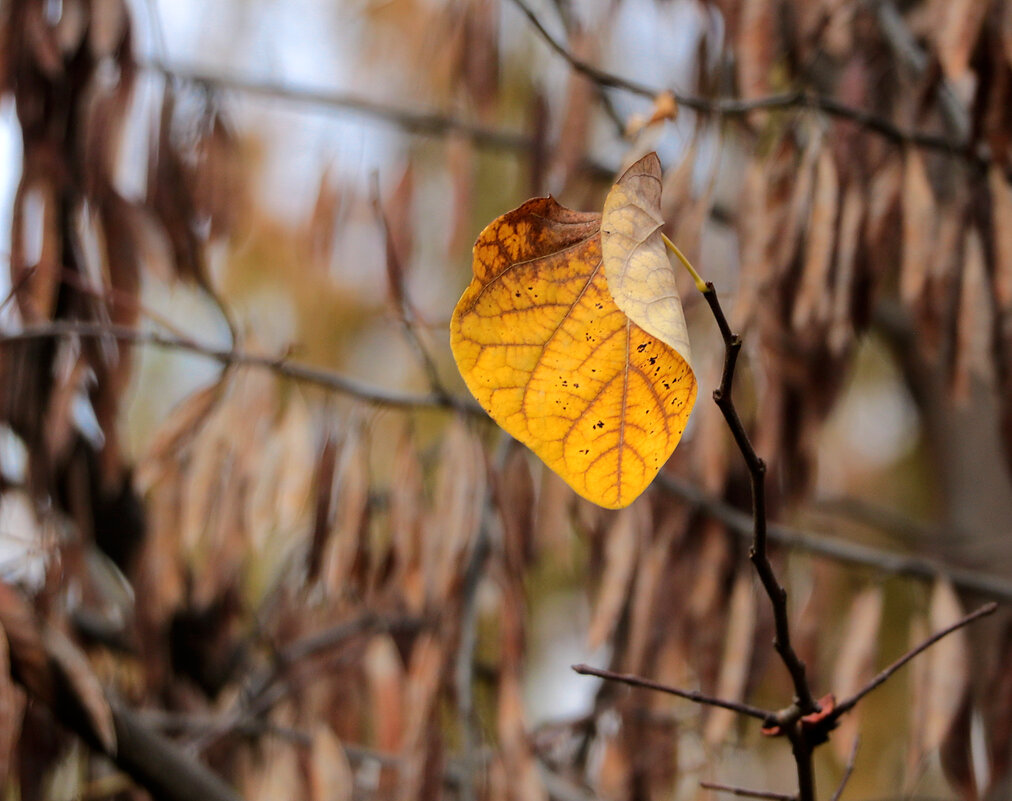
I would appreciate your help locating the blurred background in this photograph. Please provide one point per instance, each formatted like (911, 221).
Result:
(243, 499)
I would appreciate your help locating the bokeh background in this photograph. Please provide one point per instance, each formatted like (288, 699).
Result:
(237, 480)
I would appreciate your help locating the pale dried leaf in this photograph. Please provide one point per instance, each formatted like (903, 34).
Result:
(653, 562)
(956, 751)
(386, 679)
(848, 240)
(406, 522)
(620, 556)
(855, 662)
(351, 486)
(883, 196)
(813, 303)
(640, 275)
(275, 774)
(330, 774)
(1001, 208)
(518, 758)
(1006, 31)
(756, 46)
(948, 666)
(572, 139)
(785, 241)
(956, 29)
(457, 510)
(35, 233)
(79, 678)
(711, 564)
(919, 225)
(425, 674)
(12, 704)
(28, 654)
(734, 667)
(974, 321)
(108, 26)
(515, 494)
(919, 670)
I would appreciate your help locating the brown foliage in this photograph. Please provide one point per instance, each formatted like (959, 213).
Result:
(321, 598)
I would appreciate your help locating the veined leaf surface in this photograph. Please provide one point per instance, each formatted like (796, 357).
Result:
(600, 390)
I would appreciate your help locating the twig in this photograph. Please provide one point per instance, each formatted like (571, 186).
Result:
(757, 473)
(733, 107)
(848, 770)
(690, 695)
(839, 550)
(413, 121)
(153, 762)
(257, 698)
(804, 702)
(736, 520)
(226, 356)
(744, 792)
(849, 703)
(900, 38)
(159, 766)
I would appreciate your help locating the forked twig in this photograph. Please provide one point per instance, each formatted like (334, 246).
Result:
(735, 107)
(846, 705)
(690, 695)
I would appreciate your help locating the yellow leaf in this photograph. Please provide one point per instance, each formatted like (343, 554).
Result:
(599, 389)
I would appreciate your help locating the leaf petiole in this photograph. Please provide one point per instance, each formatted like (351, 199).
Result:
(700, 283)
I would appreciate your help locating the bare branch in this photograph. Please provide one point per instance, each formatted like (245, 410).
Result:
(293, 370)
(690, 695)
(804, 702)
(722, 396)
(413, 121)
(153, 762)
(839, 550)
(846, 705)
(737, 521)
(744, 792)
(733, 107)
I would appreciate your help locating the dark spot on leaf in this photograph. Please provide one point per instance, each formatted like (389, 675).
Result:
(653, 360)
(641, 347)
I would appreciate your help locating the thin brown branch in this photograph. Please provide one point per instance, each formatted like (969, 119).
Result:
(161, 767)
(737, 521)
(722, 396)
(40, 666)
(839, 550)
(690, 695)
(804, 702)
(417, 122)
(264, 690)
(733, 107)
(846, 705)
(744, 792)
(411, 120)
(848, 769)
(332, 381)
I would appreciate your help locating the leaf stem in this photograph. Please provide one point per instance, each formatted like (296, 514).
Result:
(700, 283)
